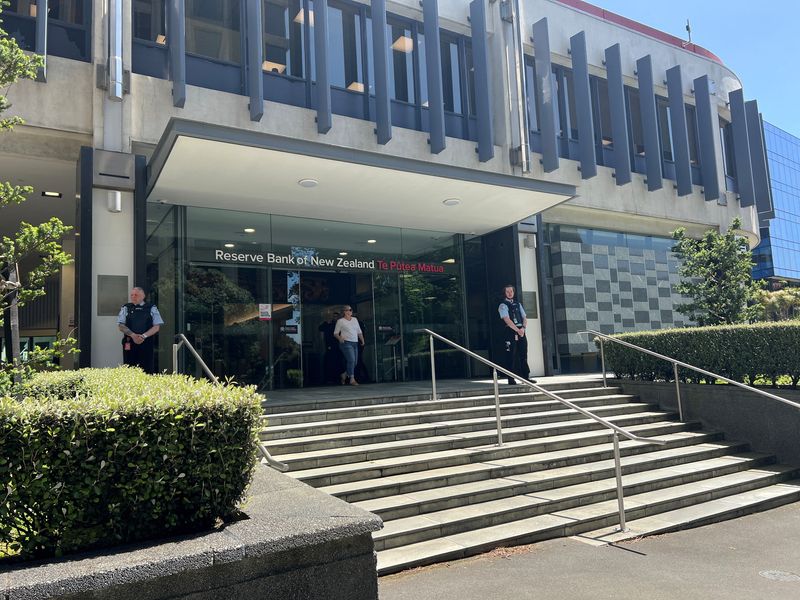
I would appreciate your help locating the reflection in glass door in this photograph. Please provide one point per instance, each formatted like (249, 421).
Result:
(221, 308)
(287, 330)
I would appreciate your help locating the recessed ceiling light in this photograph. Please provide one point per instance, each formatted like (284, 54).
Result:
(229, 245)
(449, 261)
(430, 297)
(308, 183)
(51, 194)
(249, 230)
(342, 253)
(372, 241)
(451, 202)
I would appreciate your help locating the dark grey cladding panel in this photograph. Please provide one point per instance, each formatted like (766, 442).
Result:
(176, 37)
(741, 148)
(433, 68)
(647, 105)
(323, 87)
(255, 53)
(41, 37)
(680, 133)
(545, 96)
(707, 128)
(758, 158)
(483, 98)
(583, 105)
(380, 46)
(619, 119)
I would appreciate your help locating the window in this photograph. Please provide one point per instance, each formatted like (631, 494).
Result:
(566, 115)
(213, 29)
(423, 72)
(344, 48)
(470, 67)
(149, 21)
(283, 37)
(68, 11)
(665, 127)
(530, 90)
(603, 116)
(451, 76)
(726, 137)
(401, 62)
(691, 126)
(635, 121)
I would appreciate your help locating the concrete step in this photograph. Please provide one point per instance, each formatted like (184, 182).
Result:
(714, 511)
(371, 422)
(447, 437)
(363, 396)
(579, 519)
(588, 435)
(464, 402)
(474, 492)
(328, 445)
(551, 498)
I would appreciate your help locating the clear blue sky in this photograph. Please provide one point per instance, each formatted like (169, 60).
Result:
(757, 40)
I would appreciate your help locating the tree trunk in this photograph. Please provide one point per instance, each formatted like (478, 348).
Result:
(13, 315)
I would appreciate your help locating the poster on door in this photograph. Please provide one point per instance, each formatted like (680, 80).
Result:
(265, 312)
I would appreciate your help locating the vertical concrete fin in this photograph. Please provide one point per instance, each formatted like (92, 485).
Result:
(176, 38)
(680, 132)
(583, 105)
(255, 57)
(707, 127)
(433, 68)
(380, 46)
(545, 95)
(483, 98)
(741, 148)
(323, 86)
(619, 119)
(647, 107)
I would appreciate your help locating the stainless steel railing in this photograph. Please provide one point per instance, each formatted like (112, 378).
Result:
(617, 431)
(275, 464)
(675, 364)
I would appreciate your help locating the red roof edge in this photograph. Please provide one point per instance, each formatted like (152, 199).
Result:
(611, 17)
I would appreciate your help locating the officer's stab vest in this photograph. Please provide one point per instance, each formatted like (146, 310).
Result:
(514, 312)
(139, 317)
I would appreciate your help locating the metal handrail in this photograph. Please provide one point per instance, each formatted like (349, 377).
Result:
(617, 431)
(675, 364)
(275, 464)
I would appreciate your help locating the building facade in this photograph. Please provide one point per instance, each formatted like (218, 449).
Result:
(777, 257)
(257, 164)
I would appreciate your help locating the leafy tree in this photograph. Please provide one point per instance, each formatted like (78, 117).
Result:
(36, 245)
(778, 305)
(716, 277)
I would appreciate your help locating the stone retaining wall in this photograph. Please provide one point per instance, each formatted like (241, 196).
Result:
(297, 543)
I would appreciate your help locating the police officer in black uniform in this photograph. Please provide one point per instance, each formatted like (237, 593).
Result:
(515, 347)
(139, 321)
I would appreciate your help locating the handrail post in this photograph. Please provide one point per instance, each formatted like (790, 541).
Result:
(433, 372)
(677, 390)
(175, 348)
(618, 471)
(497, 409)
(603, 362)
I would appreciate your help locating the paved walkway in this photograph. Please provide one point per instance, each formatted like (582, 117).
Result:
(755, 557)
(403, 388)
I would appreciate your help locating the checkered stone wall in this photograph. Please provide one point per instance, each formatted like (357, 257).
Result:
(611, 282)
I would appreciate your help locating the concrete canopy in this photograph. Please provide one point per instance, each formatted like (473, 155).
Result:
(203, 165)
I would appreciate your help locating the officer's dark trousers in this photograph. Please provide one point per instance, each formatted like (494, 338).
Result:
(140, 355)
(516, 356)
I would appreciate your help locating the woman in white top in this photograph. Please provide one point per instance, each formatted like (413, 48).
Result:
(349, 334)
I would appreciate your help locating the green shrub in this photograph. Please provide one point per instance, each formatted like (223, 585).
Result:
(740, 352)
(113, 455)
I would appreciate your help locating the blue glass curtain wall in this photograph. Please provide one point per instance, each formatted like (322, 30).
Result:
(68, 26)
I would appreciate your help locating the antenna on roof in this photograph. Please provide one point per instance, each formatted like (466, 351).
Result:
(689, 30)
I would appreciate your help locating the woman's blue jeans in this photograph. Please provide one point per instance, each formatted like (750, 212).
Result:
(350, 351)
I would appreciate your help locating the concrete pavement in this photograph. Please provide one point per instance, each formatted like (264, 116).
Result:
(757, 556)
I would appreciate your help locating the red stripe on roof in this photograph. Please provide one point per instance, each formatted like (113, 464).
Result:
(662, 36)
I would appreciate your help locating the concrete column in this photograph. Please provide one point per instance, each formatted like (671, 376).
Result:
(112, 254)
(529, 278)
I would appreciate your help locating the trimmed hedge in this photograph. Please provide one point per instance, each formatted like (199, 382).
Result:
(740, 352)
(109, 456)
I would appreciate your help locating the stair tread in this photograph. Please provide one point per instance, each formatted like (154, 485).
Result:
(544, 475)
(411, 413)
(377, 464)
(461, 513)
(494, 465)
(444, 437)
(457, 545)
(675, 519)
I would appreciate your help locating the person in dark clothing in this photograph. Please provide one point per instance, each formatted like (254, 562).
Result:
(515, 342)
(139, 321)
(332, 360)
